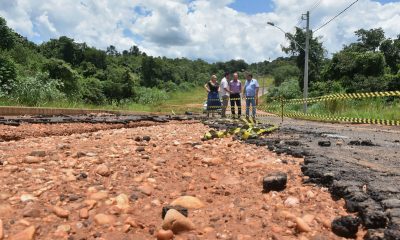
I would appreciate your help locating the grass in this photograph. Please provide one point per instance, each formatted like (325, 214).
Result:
(178, 102)
(369, 108)
(182, 101)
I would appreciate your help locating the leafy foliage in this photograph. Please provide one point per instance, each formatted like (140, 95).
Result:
(6, 35)
(150, 95)
(285, 72)
(288, 89)
(92, 91)
(37, 90)
(7, 74)
(58, 69)
(64, 69)
(316, 55)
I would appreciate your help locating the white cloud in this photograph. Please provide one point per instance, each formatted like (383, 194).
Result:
(206, 29)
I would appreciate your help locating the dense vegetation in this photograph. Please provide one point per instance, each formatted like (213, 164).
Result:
(62, 70)
(368, 65)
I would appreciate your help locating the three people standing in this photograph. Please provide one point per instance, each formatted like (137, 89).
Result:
(232, 90)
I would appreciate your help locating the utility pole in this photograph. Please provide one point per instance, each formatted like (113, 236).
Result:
(307, 50)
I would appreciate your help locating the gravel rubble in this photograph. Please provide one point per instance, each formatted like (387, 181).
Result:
(94, 184)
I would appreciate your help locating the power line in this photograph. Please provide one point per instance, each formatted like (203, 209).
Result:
(315, 5)
(301, 20)
(337, 15)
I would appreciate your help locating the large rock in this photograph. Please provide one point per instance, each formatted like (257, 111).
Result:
(27, 198)
(98, 196)
(26, 234)
(164, 235)
(346, 226)
(103, 170)
(188, 202)
(84, 213)
(374, 218)
(32, 213)
(176, 222)
(38, 153)
(375, 234)
(146, 189)
(275, 182)
(302, 226)
(104, 219)
(122, 202)
(60, 212)
(182, 210)
(32, 159)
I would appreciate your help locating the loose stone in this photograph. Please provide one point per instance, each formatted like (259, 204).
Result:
(275, 182)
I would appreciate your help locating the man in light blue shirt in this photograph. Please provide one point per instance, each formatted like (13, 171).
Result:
(250, 91)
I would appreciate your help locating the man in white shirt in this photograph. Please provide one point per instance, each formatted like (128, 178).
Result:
(224, 92)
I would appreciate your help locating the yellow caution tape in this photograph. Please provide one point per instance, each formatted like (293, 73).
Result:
(338, 96)
(330, 118)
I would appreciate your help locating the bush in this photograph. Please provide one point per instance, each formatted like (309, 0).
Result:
(37, 90)
(92, 91)
(289, 89)
(284, 72)
(150, 95)
(361, 83)
(58, 69)
(169, 86)
(324, 88)
(8, 74)
(186, 86)
(393, 82)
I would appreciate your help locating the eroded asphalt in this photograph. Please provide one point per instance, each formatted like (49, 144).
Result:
(359, 163)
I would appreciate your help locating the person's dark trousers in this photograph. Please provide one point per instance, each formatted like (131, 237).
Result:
(235, 99)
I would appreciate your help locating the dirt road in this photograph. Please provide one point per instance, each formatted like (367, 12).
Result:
(114, 184)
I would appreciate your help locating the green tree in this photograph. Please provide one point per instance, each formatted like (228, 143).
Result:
(134, 50)
(149, 72)
(8, 74)
(92, 91)
(7, 39)
(58, 69)
(97, 57)
(371, 39)
(112, 51)
(316, 56)
(348, 63)
(63, 48)
(391, 49)
(285, 72)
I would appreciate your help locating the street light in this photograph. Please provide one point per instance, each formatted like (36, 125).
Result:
(287, 35)
(306, 50)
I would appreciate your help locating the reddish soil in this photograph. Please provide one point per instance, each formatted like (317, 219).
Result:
(225, 175)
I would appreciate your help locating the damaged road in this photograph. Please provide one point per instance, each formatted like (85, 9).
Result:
(359, 163)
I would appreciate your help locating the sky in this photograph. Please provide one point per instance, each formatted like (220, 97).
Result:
(213, 30)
